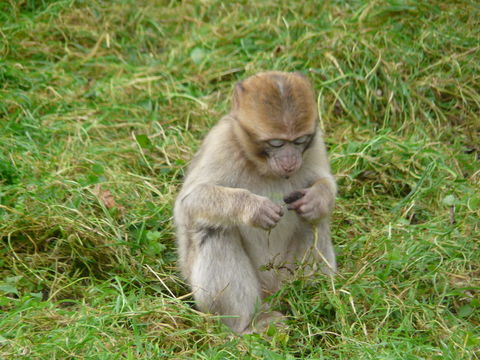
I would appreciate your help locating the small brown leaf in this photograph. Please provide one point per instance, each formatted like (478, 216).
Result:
(106, 197)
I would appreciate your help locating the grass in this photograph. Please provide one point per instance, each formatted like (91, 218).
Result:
(102, 105)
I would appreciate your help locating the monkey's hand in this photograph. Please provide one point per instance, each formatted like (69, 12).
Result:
(265, 213)
(313, 203)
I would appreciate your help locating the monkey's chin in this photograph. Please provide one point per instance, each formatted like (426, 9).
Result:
(284, 175)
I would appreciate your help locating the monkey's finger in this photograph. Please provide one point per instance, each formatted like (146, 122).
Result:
(277, 209)
(275, 216)
(305, 209)
(268, 223)
(296, 205)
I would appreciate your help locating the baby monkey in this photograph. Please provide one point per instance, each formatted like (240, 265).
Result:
(236, 242)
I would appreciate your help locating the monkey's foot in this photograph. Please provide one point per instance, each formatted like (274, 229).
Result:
(263, 321)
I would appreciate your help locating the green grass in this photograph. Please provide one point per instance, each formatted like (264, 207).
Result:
(103, 103)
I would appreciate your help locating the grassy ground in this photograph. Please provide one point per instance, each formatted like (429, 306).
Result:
(102, 104)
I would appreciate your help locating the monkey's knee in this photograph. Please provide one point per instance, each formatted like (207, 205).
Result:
(222, 302)
(233, 296)
(225, 283)
(327, 257)
(321, 255)
(329, 265)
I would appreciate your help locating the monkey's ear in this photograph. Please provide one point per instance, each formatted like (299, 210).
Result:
(238, 92)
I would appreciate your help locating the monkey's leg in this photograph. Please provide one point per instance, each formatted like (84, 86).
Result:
(224, 280)
(323, 250)
(314, 248)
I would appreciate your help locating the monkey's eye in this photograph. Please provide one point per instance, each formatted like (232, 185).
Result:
(276, 143)
(301, 140)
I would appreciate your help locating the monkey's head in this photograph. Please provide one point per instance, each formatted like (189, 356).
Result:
(275, 120)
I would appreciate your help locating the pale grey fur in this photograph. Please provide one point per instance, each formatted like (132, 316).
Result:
(220, 254)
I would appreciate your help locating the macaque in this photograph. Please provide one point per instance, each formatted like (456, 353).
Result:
(256, 201)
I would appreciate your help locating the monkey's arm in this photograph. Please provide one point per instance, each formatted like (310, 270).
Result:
(218, 205)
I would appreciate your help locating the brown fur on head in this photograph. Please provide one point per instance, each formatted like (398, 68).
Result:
(274, 106)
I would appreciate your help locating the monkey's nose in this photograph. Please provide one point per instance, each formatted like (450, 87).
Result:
(288, 166)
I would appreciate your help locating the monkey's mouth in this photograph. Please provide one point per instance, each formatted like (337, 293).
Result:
(285, 174)
(278, 169)
(281, 173)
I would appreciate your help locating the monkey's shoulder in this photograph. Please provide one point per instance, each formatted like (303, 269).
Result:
(218, 156)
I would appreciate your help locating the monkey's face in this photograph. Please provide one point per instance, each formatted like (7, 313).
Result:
(276, 119)
(284, 157)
